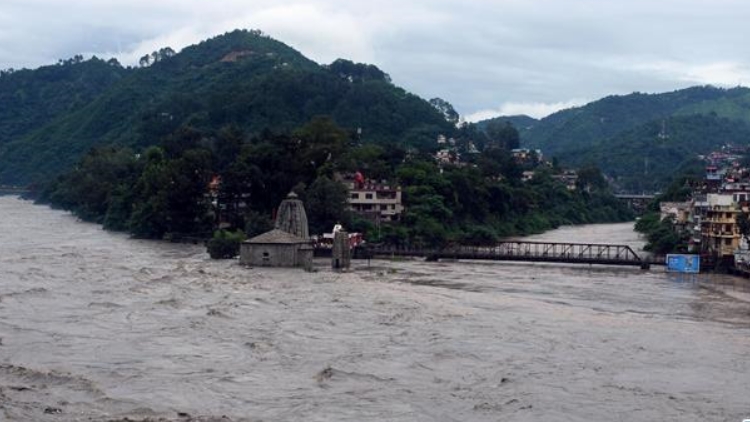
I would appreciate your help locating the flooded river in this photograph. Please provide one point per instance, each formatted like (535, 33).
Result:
(95, 326)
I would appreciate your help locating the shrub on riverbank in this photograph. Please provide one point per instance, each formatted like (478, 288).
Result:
(225, 244)
(198, 178)
(661, 235)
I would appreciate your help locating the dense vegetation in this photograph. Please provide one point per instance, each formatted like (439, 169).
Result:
(662, 237)
(33, 98)
(217, 135)
(53, 115)
(640, 139)
(646, 158)
(610, 116)
(241, 78)
(162, 191)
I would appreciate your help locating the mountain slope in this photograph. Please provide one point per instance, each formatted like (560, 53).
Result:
(645, 158)
(521, 122)
(240, 78)
(625, 135)
(603, 119)
(33, 98)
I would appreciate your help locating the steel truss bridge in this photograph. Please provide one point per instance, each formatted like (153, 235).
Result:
(572, 253)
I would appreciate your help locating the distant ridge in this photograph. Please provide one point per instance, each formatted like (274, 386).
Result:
(521, 122)
(620, 133)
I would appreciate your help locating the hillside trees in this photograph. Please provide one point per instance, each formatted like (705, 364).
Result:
(446, 109)
(33, 98)
(156, 56)
(87, 189)
(52, 115)
(503, 135)
(326, 204)
(165, 190)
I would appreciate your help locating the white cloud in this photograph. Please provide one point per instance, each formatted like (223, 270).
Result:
(536, 110)
(321, 33)
(533, 55)
(723, 73)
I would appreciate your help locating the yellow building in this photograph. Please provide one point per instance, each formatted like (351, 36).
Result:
(720, 234)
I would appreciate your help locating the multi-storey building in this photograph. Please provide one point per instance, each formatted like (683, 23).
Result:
(720, 233)
(377, 201)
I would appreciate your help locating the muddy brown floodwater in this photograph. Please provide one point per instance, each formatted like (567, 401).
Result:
(95, 326)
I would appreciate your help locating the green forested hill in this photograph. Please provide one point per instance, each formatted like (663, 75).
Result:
(603, 119)
(734, 106)
(30, 99)
(521, 122)
(241, 79)
(217, 135)
(620, 134)
(646, 158)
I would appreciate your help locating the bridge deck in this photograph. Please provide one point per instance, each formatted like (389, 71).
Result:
(576, 253)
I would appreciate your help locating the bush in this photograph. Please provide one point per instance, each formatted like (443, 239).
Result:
(225, 244)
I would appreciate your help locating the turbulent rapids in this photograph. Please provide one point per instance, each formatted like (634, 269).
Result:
(96, 326)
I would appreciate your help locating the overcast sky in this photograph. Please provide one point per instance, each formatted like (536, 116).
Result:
(485, 57)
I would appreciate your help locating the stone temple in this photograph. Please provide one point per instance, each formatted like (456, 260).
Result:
(287, 245)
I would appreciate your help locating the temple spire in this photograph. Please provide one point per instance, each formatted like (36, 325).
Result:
(292, 217)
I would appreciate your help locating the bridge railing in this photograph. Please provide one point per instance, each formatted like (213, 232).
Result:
(526, 251)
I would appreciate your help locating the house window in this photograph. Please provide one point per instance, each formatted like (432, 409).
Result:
(727, 242)
(355, 196)
(368, 196)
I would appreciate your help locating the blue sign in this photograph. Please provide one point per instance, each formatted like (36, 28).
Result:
(679, 263)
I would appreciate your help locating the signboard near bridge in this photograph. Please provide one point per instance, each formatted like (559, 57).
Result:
(681, 263)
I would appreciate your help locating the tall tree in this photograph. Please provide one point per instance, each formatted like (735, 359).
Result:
(326, 204)
(503, 134)
(446, 109)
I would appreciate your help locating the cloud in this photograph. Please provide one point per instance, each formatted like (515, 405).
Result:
(318, 31)
(535, 110)
(531, 56)
(323, 32)
(723, 73)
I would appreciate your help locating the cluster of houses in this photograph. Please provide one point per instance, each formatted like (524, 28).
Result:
(713, 216)
(449, 153)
